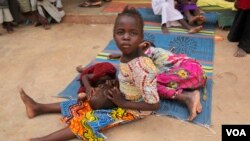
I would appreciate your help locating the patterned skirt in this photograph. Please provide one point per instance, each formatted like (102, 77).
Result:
(87, 124)
(185, 74)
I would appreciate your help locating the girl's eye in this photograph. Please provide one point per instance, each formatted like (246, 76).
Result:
(133, 33)
(119, 32)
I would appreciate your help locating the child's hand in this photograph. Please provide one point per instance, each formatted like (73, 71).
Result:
(111, 56)
(114, 56)
(81, 97)
(115, 96)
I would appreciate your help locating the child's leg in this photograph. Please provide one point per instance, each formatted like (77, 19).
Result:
(34, 109)
(190, 17)
(42, 16)
(9, 27)
(7, 19)
(201, 19)
(164, 28)
(33, 5)
(192, 100)
(60, 135)
(190, 28)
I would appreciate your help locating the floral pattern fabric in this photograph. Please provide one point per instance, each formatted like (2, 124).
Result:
(177, 72)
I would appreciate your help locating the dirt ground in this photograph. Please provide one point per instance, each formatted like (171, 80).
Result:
(43, 62)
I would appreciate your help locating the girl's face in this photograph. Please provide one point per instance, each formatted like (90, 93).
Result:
(128, 35)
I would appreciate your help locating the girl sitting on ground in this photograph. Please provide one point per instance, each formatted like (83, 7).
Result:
(137, 98)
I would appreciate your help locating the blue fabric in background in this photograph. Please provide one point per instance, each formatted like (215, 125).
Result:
(201, 49)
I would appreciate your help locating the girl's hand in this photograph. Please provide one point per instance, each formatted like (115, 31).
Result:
(81, 97)
(116, 96)
(114, 56)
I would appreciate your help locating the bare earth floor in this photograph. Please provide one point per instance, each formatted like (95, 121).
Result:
(43, 62)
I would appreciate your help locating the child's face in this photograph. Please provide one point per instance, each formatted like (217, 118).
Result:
(128, 34)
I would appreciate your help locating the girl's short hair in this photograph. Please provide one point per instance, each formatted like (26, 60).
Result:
(131, 12)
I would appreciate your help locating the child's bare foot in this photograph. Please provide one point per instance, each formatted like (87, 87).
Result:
(80, 68)
(164, 29)
(9, 27)
(240, 53)
(193, 20)
(30, 104)
(193, 103)
(201, 20)
(195, 29)
(44, 22)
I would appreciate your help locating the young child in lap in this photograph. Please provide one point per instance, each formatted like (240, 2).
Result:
(97, 73)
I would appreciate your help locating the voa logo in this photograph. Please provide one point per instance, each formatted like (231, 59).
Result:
(236, 132)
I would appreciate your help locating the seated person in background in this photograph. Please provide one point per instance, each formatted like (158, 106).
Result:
(191, 11)
(48, 11)
(169, 15)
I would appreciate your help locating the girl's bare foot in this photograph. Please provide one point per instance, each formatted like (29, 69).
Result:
(193, 20)
(193, 103)
(240, 53)
(201, 20)
(30, 104)
(195, 29)
(164, 29)
(192, 100)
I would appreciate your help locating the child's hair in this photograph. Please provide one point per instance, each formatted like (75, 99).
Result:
(131, 12)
